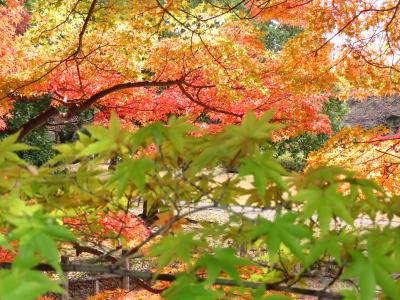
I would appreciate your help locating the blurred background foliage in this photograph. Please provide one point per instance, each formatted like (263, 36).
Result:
(292, 153)
(41, 138)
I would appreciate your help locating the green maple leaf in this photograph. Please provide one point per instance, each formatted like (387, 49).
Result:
(8, 147)
(131, 170)
(327, 204)
(264, 170)
(243, 139)
(107, 139)
(367, 190)
(153, 131)
(376, 268)
(328, 244)
(177, 132)
(249, 134)
(283, 230)
(168, 250)
(224, 260)
(37, 237)
(35, 284)
(326, 174)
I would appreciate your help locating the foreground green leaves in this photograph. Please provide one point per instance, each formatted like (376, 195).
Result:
(171, 175)
(282, 231)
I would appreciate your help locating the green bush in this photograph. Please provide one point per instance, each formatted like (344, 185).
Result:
(22, 112)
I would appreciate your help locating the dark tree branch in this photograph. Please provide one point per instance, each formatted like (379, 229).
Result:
(37, 121)
(202, 104)
(84, 27)
(85, 249)
(76, 109)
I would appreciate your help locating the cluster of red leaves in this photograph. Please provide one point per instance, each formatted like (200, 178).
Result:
(6, 255)
(111, 225)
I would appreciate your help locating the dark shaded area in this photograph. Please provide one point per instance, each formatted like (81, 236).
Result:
(276, 35)
(23, 111)
(374, 111)
(53, 132)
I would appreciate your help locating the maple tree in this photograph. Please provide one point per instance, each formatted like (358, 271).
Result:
(192, 57)
(152, 59)
(145, 73)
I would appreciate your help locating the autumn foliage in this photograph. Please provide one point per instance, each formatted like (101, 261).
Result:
(149, 71)
(368, 152)
(104, 227)
(217, 66)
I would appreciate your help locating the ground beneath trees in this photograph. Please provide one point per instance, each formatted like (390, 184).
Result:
(317, 279)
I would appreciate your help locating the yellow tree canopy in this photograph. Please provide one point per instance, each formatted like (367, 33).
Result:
(365, 151)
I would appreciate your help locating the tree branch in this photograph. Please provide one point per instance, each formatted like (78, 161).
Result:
(210, 108)
(52, 112)
(84, 27)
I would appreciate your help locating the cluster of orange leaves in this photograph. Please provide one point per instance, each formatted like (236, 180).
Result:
(119, 294)
(13, 18)
(369, 153)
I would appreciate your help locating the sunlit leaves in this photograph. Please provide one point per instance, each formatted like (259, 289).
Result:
(237, 141)
(327, 204)
(282, 231)
(264, 170)
(364, 151)
(131, 170)
(177, 132)
(153, 133)
(106, 138)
